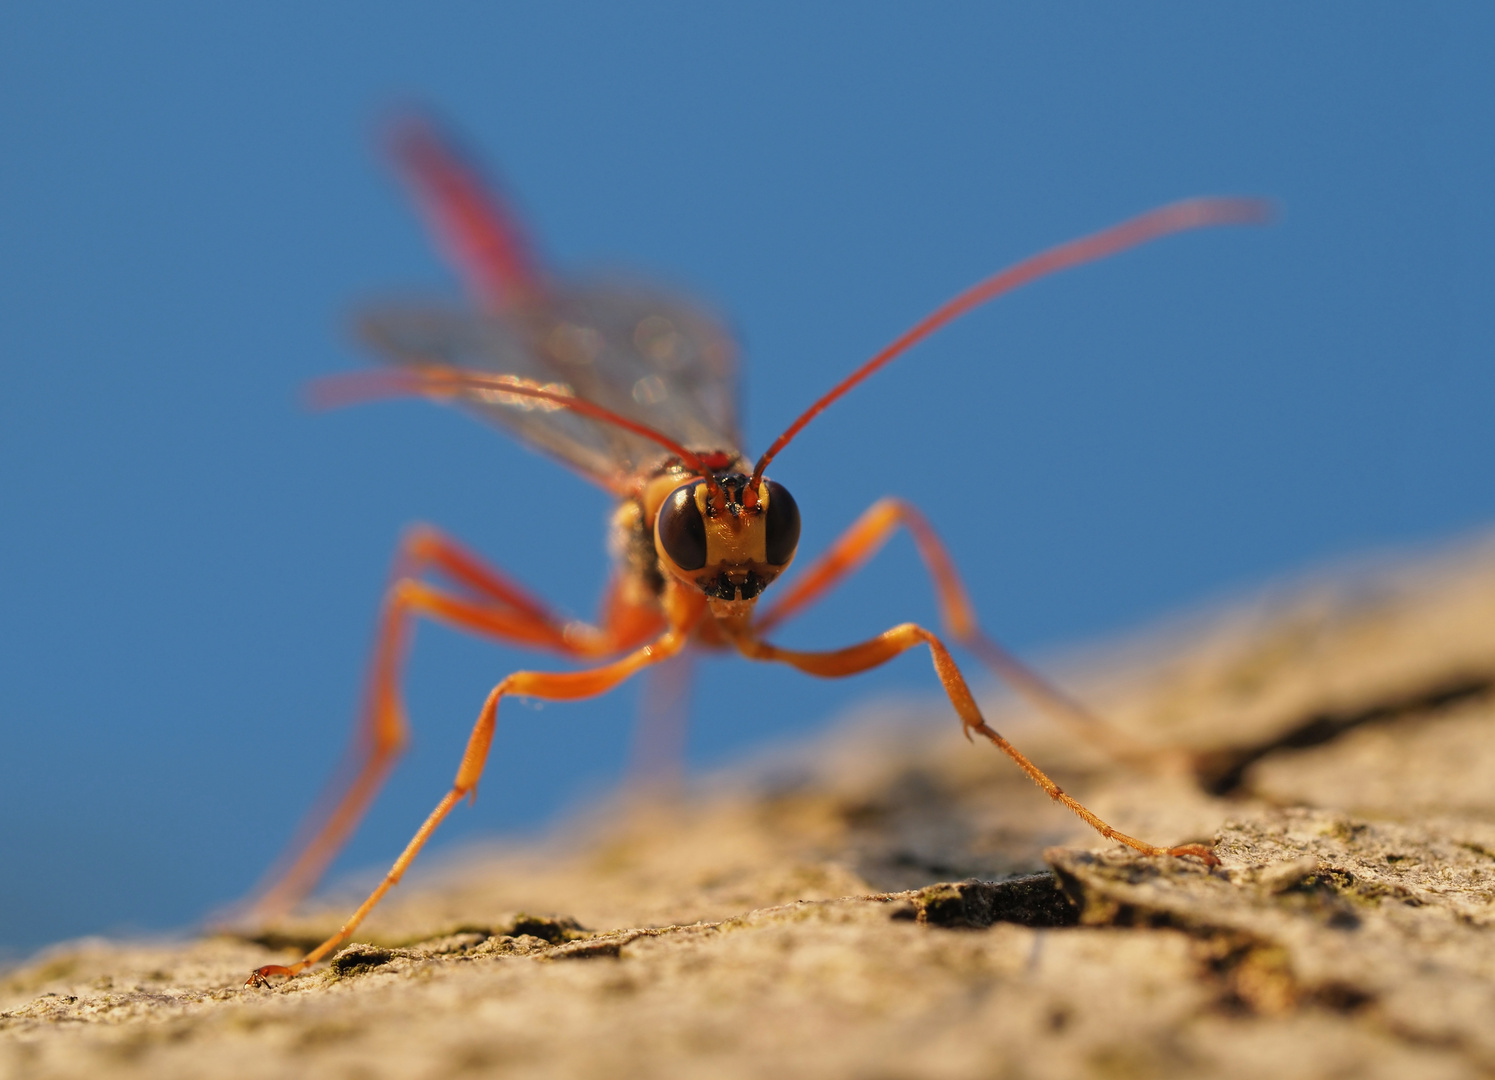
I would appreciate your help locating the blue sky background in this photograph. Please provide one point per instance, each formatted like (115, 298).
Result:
(191, 204)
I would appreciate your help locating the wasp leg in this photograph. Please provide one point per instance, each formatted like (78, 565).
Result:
(550, 686)
(837, 663)
(485, 603)
(852, 550)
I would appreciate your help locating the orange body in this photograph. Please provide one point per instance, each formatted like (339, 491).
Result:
(635, 390)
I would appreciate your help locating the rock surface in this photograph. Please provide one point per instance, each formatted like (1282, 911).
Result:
(894, 902)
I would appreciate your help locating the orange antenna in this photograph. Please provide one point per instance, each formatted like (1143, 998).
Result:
(336, 391)
(473, 228)
(1175, 217)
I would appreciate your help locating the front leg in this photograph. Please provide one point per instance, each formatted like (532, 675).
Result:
(857, 545)
(838, 663)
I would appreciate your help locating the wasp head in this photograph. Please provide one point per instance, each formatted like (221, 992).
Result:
(726, 536)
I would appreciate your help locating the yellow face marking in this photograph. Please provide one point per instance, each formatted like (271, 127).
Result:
(733, 539)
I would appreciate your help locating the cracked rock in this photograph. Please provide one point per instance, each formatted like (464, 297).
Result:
(894, 902)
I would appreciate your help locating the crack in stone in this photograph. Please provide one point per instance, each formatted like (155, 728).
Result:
(1223, 772)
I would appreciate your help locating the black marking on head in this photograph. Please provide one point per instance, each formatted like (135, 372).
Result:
(722, 587)
(716, 587)
(751, 586)
(733, 486)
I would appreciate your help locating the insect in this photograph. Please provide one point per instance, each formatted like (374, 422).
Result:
(633, 389)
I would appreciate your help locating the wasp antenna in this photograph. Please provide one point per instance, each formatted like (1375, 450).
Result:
(336, 391)
(1175, 217)
(472, 225)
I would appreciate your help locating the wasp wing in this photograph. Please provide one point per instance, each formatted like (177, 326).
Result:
(636, 351)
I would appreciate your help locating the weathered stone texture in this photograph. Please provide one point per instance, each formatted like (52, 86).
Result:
(894, 902)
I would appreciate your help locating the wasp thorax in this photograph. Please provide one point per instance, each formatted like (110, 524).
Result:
(723, 540)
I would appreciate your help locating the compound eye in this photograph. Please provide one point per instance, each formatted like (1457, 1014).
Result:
(680, 528)
(783, 524)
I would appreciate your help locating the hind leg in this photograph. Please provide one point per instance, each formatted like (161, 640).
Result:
(549, 686)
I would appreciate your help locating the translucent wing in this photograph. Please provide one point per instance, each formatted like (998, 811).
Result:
(637, 351)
